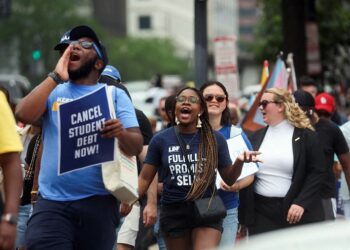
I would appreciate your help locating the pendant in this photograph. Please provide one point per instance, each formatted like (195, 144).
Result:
(188, 147)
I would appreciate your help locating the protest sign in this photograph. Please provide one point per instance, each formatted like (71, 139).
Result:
(237, 145)
(80, 141)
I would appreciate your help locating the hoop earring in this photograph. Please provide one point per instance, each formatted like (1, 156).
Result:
(177, 120)
(199, 122)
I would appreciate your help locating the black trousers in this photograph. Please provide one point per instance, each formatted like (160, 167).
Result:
(268, 215)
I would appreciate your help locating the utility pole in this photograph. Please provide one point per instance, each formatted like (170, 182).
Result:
(201, 42)
(5, 8)
(294, 39)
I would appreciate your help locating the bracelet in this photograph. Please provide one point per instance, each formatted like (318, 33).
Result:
(56, 77)
(34, 192)
(10, 218)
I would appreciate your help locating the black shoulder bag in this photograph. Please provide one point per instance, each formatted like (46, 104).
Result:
(209, 209)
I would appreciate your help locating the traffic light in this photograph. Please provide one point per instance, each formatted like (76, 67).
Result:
(36, 54)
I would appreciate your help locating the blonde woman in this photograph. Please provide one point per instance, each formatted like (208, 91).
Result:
(286, 188)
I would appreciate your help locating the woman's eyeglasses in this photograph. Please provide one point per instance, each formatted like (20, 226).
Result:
(88, 45)
(264, 103)
(210, 97)
(190, 99)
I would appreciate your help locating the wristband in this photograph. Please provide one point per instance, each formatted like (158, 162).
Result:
(56, 77)
(10, 218)
(33, 192)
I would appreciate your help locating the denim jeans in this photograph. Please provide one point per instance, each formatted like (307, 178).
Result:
(230, 225)
(347, 209)
(23, 217)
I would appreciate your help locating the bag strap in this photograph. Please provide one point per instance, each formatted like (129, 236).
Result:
(30, 173)
(111, 101)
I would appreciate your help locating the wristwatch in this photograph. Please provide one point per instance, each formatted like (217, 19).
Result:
(56, 77)
(10, 218)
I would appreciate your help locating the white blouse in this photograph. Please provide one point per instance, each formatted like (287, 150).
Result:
(275, 173)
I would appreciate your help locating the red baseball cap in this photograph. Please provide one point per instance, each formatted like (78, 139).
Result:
(325, 101)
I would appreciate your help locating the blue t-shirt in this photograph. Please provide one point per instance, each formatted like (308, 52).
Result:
(164, 152)
(230, 199)
(87, 181)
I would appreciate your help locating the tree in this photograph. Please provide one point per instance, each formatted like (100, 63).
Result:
(333, 17)
(138, 58)
(35, 27)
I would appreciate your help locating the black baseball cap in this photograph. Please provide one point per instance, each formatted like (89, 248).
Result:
(304, 99)
(79, 32)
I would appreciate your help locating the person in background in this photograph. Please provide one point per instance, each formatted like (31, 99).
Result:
(286, 187)
(68, 214)
(131, 229)
(325, 107)
(216, 97)
(169, 109)
(163, 117)
(344, 193)
(156, 92)
(333, 142)
(235, 113)
(31, 137)
(10, 148)
(309, 85)
(184, 183)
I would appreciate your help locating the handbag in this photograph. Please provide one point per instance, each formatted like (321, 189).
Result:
(209, 209)
(120, 177)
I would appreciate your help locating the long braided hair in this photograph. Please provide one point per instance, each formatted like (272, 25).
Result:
(207, 152)
(294, 114)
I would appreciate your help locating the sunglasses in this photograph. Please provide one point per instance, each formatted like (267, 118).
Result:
(190, 99)
(264, 103)
(218, 98)
(88, 45)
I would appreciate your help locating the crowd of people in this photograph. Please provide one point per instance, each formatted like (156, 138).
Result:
(183, 160)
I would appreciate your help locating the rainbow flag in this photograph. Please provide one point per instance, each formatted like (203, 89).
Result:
(265, 73)
(279, 79)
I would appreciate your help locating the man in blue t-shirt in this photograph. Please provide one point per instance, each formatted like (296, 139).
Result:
(74, 210)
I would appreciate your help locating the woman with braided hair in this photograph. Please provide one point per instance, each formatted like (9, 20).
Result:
(286, 188)
(188, 155)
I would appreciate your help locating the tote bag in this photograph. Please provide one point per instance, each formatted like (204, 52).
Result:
(120, 176)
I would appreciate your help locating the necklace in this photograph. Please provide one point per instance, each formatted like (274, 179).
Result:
(188, 147)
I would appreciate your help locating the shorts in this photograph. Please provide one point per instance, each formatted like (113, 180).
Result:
(177, 219)
(128, 231)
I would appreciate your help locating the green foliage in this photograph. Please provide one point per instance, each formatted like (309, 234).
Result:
(138, 58)
(37, 25)
(333, 18)
(268, 32)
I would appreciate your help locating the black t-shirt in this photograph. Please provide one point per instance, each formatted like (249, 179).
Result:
(146, 131)
(333, 142)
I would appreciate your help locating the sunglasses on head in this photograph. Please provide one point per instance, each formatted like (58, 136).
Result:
(264, 103)
(191, 99)
(88, 45)
(218, 98)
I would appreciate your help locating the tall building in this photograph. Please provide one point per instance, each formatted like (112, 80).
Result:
(175, 20)
(164, 19)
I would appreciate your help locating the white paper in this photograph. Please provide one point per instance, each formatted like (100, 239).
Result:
(237, 145)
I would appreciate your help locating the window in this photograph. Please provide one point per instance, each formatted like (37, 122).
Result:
(144, 22)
